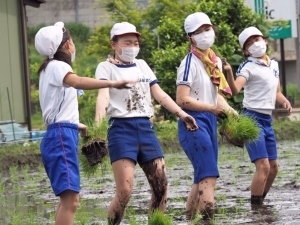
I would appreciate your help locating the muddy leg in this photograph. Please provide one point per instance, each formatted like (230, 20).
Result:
(123, 171)
(206, 197)
(155, 171)
(192, 202)
(259, 180)
(272, 174)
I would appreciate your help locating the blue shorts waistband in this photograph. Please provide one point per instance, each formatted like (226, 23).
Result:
(128, 118)
(245, 110)
(197, 113)
(58, 125)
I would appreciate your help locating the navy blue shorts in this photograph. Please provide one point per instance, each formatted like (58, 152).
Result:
(265, 145)
(60, 158)
(201, 146)
(133, 138)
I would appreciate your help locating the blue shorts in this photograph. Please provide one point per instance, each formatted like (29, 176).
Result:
(265, 145)
(201, 146)
(133, 138)
(60, 158)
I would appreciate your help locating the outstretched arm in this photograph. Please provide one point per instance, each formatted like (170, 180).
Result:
(88, 83)
(166, 101)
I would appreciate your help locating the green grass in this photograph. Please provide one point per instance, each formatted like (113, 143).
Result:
(37, 121)
(159, 218)
(22, 193)
(240, 128)
(94, 131)
(286, 130)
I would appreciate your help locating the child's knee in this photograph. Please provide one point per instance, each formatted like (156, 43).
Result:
(69, 200)
(124, 193)
(274, 167)
(264, 167)
(156, 175)
(71, 204)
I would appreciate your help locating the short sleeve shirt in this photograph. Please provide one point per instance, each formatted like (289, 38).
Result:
(134, 102)
(261, 84)
(192, 73)
(58, 101)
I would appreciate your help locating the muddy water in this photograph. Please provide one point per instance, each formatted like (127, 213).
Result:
(28, 194)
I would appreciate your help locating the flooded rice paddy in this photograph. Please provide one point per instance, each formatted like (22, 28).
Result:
(27, 198)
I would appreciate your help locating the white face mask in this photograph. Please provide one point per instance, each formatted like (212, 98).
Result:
(128, 53)
(205, 40)
(258, 49)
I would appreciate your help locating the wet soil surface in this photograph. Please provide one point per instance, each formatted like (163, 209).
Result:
(31, 192)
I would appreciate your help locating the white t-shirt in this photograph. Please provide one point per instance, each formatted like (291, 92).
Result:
(58, 101)
(134, 102)
(192, 73)
(261, 86)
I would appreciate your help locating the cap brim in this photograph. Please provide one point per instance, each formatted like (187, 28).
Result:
(264, 37)
(137, 33)
(200, 26)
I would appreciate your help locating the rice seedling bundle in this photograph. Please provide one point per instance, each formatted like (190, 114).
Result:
(239, 129)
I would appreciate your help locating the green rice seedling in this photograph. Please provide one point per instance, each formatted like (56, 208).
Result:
(296, 175)
(95, 131)
(133, 221)
(159, 218)
(197, 220)
(239, 129)
(82, 217)
(2, 187)
(31, 217)
(130, 215)
(221, 197)
(222, 212)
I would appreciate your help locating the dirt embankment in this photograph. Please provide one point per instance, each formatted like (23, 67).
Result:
(18, 156)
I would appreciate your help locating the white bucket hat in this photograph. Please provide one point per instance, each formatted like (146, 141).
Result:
(123, 28)
(48, 39)
(248, 32)
(194, 21)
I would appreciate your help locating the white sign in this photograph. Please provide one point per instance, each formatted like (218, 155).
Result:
(283, 10)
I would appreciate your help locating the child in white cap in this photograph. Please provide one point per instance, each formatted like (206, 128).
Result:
(59, 105)
(201, 86)
(131, 137)
(259, 76)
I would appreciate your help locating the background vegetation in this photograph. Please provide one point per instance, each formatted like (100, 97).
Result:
(164, 42)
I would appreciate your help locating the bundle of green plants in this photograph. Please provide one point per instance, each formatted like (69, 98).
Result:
(159, 218)
(95, 142)
(238, 129)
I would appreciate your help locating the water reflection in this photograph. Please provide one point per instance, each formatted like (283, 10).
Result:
(264, 213)
(27, 195)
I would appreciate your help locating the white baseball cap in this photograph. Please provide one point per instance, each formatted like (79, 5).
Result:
(194, 21)
(248, 32)
(123, 28)
(48, 39)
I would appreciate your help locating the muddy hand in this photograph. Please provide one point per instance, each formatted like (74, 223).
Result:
(222, 116)
(190, 123)
(83, 130)
(218, 111)
(127, 84)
